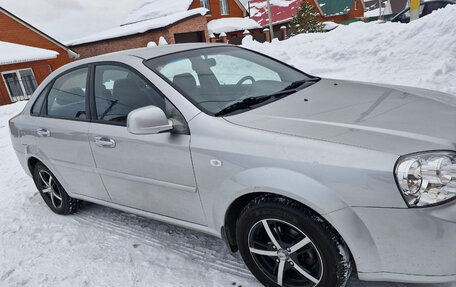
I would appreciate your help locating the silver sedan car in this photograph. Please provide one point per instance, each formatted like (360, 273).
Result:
(308, 178)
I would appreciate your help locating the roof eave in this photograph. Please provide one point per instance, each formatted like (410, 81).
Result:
(71, 54)
(125, 36)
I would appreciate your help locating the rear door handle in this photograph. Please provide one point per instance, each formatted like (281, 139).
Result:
(43, 132)
(105, 142)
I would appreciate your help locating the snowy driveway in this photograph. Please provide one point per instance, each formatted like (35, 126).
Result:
(99, 246)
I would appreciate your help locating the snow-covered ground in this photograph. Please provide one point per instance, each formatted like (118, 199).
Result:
(420, 54)
(99, 246)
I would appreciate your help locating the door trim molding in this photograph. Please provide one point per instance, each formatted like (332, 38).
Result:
(147, 180)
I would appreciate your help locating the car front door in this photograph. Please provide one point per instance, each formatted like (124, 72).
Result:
(61, 130)
(152, 173)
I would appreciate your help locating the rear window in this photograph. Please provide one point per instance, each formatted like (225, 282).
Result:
(66, 98)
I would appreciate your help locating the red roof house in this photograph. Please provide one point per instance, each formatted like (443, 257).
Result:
(284, 10)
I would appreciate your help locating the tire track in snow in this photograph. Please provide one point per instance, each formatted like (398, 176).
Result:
(147, 235)
(150, 233)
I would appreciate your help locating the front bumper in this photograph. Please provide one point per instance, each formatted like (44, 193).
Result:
(401, 245)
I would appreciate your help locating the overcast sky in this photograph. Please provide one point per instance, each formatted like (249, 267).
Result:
(70, 19)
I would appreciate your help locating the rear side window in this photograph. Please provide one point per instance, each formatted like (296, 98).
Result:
(66, 99)
(37, 106)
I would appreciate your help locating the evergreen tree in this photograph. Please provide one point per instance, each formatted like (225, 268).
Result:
(305, 20)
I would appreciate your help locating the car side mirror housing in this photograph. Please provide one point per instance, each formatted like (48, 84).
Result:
(148, 120)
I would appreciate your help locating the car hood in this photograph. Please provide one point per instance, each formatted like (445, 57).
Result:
(386, 118)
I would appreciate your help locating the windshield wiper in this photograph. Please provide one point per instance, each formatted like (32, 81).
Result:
(248, 103)
(297, 84)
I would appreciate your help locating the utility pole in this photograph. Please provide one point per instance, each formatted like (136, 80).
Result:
(414, 9)
(271, 28)
(380, 9)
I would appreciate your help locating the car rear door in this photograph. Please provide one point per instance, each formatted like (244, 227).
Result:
(60, 126)
(153, 173)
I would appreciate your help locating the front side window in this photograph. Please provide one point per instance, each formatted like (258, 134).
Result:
(215, 78)
(20, 84)
(206, 4)
(118, 91)
(224, 7)
(66, 99)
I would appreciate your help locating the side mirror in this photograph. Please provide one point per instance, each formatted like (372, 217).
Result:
(148, 120)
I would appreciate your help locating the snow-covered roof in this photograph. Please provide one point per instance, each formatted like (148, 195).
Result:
(138, 27)
(245, 3)
(329, 25)
(71, 54)
(231, 24)
(152, 9)
(282, 10)
(335, 7)
(14, 53)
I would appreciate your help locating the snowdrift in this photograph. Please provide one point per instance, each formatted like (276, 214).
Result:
(420, 54)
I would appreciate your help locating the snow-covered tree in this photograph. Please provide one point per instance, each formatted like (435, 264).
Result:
(305, 20)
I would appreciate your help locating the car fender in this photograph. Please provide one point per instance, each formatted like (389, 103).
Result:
(311, 193)
(33, 151)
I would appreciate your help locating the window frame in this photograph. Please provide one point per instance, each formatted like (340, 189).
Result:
(208, 6)
(24, 91)
(91, 111)
(46, 90)
(92, 101)
(223, 6)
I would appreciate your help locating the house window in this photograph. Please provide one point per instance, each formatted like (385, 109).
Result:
(224, 7)
(20, 84)
(356, 5)
(205, 4)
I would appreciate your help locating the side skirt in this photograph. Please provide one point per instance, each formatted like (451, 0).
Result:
(154, 216)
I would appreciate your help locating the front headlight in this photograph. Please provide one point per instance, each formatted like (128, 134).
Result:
(427, 178)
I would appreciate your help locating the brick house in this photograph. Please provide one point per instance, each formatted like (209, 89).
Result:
(27, 57)
(221, 8)
(177, 21)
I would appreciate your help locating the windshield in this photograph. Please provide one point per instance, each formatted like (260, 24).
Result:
(216, 78)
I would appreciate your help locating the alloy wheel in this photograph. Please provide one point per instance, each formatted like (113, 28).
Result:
(285, 254)
(50, 188)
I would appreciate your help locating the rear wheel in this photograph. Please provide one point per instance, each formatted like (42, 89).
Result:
(53, 192)
(285, 244)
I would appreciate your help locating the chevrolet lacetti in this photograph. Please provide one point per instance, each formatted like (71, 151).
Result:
(308, 178)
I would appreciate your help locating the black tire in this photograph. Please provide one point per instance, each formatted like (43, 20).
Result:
(326, 256)
(56, 198)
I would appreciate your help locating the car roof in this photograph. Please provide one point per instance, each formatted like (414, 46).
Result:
(150, 52)
(139, 53)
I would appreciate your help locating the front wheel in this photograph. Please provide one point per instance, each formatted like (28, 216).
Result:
(285, 244)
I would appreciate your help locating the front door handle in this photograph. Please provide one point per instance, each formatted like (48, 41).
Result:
(43, 132)
(105, 142)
